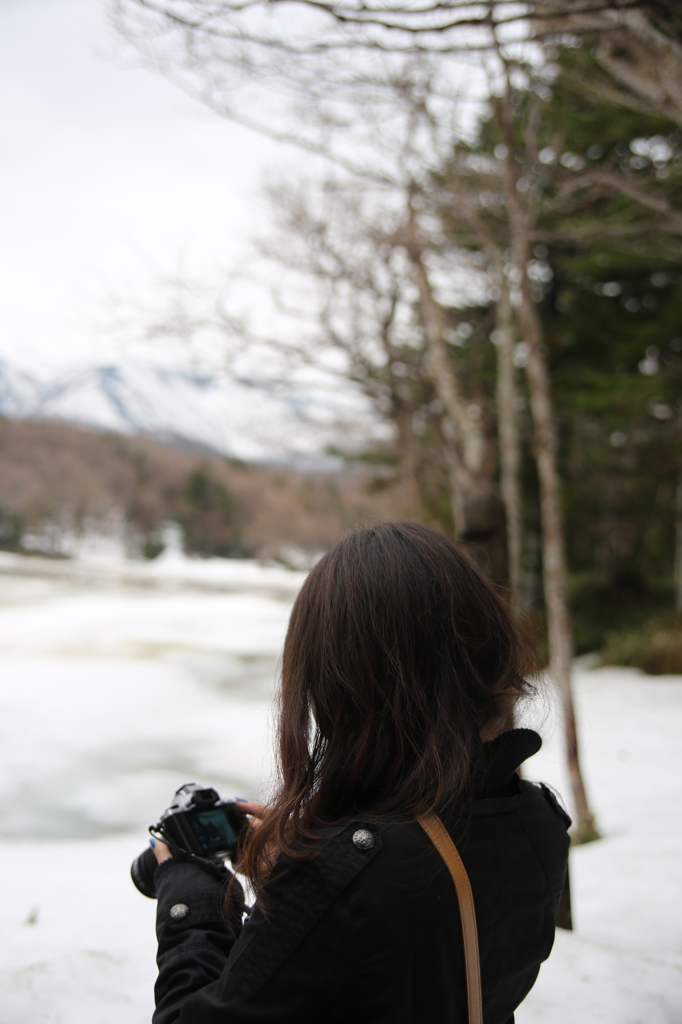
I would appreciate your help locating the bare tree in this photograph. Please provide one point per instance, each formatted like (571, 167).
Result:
(349, 289)
(507, 418)
(398, 346)
(227, 39)
(522, 209)
(478, 511)
(678, 546)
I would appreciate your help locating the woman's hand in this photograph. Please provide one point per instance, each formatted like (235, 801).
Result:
(256, 813)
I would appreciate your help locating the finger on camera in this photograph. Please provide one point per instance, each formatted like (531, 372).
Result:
(255, 810)
(160, 850)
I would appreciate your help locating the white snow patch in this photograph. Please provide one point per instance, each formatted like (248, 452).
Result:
(101, 566)
(623, 962)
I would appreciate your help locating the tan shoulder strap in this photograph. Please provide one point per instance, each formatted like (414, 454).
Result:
(440, 838)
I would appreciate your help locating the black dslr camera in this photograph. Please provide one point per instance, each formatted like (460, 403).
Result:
(198, 825)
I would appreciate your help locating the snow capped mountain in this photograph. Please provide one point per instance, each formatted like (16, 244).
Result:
(19, 391)
(224, 415)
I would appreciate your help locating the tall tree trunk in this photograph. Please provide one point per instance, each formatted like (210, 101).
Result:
(553, 555)
(507, 423)
(446, 388)
(545, 450)
(478, 511)
(678, 546)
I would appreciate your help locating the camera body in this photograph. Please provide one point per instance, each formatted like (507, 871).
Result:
(199, 822)
(197, 825)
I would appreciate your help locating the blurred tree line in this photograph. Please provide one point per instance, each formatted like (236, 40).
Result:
(62, 486)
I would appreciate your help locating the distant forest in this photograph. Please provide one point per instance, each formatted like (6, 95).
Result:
(57, 481)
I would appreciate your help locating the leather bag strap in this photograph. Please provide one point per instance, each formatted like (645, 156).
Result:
(440, 838)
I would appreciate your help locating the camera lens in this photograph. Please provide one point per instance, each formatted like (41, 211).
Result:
(142, 873)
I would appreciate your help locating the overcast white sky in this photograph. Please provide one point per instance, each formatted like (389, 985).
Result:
(110, 177)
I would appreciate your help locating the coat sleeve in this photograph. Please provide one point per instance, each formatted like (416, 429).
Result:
(194, 933)
(282, 967)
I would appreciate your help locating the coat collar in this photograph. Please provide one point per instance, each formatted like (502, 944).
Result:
(500, 758)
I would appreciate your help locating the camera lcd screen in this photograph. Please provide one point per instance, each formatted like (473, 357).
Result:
(213, 830)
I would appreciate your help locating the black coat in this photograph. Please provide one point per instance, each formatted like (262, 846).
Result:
(373, 936)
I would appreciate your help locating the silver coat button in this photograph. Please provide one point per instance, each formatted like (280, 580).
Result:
(363, 839)
(179, 911)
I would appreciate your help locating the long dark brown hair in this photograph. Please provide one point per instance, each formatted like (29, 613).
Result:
(398, 656)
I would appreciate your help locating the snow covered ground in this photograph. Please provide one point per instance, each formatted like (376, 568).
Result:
(115, 694)
(98, 561)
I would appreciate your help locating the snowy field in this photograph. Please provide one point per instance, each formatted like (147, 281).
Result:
(115, 692)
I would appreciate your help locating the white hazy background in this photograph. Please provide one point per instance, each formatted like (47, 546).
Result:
(111, 179)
